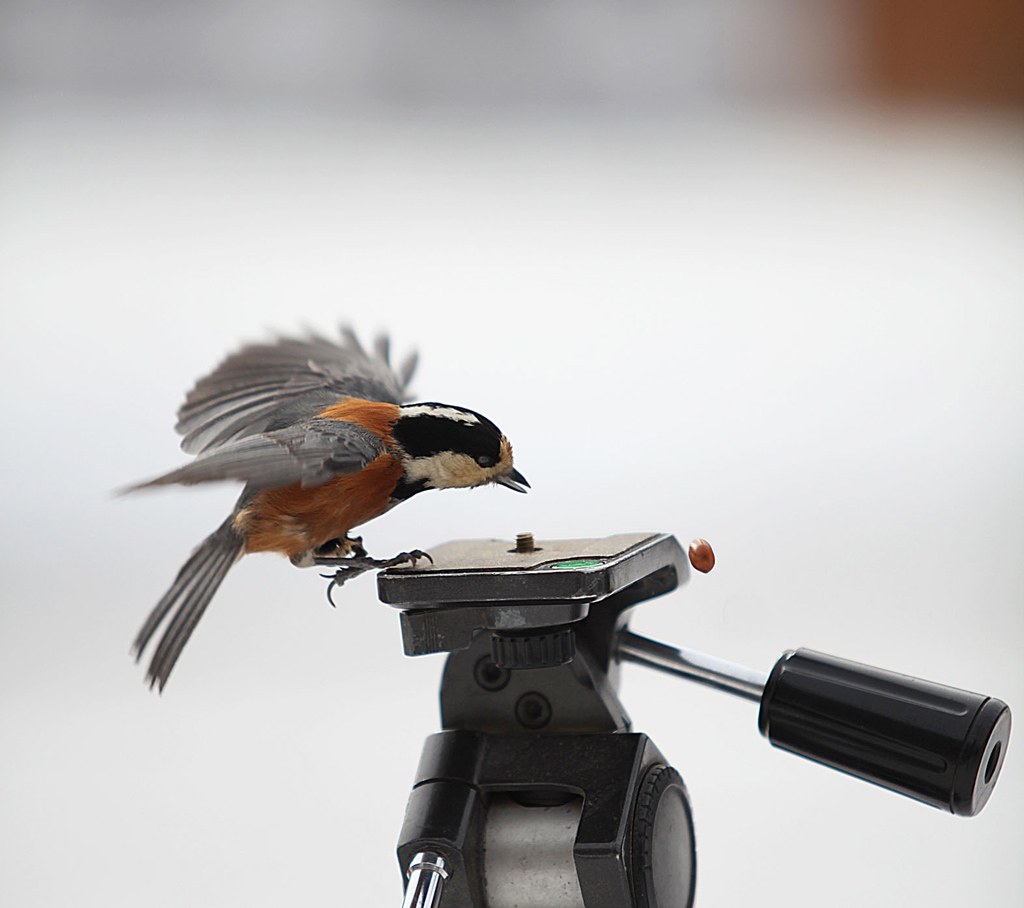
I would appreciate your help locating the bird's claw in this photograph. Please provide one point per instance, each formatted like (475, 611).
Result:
(356, 564)
(402, 558)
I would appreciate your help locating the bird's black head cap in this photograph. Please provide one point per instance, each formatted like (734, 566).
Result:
(426, 429)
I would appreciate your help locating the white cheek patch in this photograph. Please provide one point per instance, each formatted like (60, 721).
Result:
(469, 419)
(446, 470)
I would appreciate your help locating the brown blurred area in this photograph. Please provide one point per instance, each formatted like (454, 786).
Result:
(947, 51)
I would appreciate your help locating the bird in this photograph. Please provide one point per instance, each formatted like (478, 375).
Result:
(323, 436)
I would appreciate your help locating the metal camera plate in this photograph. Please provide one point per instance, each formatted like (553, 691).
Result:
(486, 584)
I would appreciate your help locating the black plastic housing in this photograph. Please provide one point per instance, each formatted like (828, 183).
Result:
(937, 744)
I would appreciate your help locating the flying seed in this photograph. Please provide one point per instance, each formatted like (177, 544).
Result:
(701, 555)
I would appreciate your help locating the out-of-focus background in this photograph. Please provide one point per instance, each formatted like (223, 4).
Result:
(751, 270)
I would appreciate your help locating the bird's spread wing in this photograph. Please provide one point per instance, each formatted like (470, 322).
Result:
(310, 452)
(267, 386)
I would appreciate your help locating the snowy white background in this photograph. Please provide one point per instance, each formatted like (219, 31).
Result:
(793, 330)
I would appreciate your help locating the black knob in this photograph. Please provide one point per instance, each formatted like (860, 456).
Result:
(664, 861)
(533, 650)
(938, 744)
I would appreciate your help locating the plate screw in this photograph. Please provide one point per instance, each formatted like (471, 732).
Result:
(524, 543)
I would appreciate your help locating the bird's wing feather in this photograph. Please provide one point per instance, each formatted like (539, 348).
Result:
(310, 452)
(252, 389)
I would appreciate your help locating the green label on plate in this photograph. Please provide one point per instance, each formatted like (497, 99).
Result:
(576, 563)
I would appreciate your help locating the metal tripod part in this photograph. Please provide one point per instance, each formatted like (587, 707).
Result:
(718, 673)
(538, 792)
(427, 873)
(932, 742)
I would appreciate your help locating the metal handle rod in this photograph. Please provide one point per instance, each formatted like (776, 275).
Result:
(734, 679)
(427, 873)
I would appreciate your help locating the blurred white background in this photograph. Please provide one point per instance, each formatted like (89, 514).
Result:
(710, 272)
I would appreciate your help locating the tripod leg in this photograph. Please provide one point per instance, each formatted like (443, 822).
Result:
(427, 873)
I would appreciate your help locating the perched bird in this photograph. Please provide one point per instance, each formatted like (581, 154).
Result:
(319, 434)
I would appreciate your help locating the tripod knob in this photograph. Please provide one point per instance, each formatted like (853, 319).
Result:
(938, 744)
(533, 650)
(664, 849)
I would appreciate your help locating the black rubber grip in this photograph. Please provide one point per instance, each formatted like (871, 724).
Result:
(937, 744)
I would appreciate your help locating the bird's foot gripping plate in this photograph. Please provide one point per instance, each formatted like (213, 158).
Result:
(358, 563)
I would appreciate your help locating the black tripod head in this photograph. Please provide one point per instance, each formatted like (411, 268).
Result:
(536, 632)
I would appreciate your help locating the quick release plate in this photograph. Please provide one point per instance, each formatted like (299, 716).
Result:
(488, 584)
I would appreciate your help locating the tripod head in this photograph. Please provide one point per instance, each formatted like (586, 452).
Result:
(536, 633)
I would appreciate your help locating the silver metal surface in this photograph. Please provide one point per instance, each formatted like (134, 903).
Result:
(528, 859)
(427, 873)
(734, 679)
(490, 571)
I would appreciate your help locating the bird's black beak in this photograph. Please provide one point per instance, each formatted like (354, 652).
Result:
(514, 481)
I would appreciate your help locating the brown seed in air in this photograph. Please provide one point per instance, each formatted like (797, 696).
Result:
(701, 555)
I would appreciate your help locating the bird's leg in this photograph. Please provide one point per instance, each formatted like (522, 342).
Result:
(339, 550)
(354, 565)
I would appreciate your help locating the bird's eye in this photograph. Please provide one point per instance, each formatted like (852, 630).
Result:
(485, 461)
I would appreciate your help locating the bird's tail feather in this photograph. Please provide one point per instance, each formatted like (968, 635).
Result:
(188, 597)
